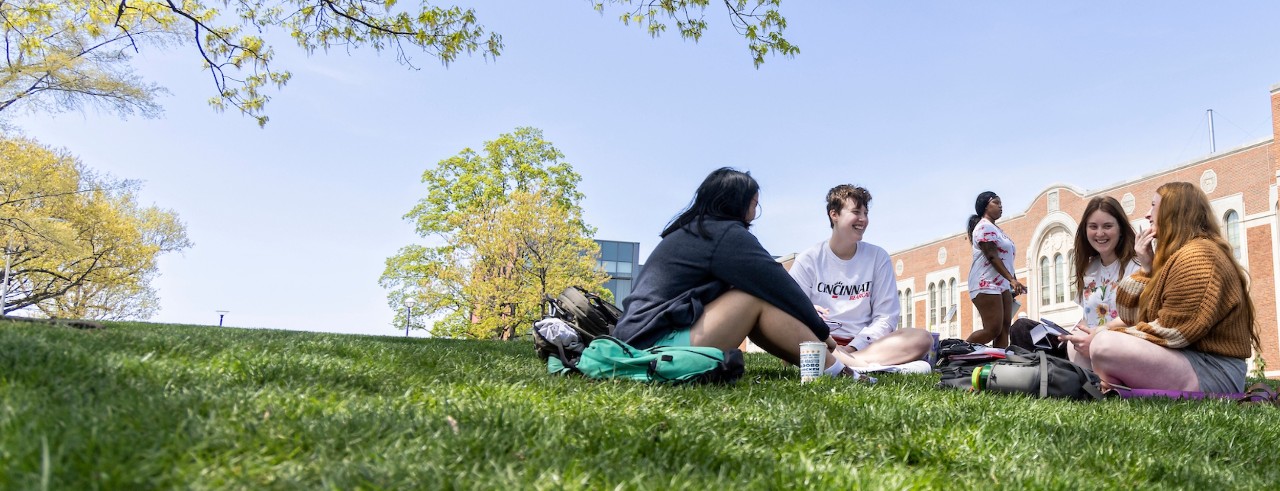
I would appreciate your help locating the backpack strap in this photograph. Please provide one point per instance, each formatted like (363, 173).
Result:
(1260, 393)
(1094, 391)
(1089, 387)
(564, 360)
(1044, 376)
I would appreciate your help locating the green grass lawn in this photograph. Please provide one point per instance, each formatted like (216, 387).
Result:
(141, 406)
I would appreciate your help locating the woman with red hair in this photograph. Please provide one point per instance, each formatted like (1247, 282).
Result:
(1186, 319)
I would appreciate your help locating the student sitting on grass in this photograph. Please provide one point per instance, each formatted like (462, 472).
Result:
(1186, 319)
(852, 285)
(1104, 246)
(709, 282)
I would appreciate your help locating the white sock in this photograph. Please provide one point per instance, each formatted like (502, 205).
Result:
(834, 369)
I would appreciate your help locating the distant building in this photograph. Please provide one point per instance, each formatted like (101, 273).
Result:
(621, 261)
(1241, 183)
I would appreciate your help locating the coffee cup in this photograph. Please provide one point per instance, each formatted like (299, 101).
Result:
(813, 358)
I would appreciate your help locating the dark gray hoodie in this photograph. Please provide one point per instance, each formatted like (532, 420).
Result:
(686, 271)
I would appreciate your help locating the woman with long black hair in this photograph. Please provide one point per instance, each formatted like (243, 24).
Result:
(709, 282)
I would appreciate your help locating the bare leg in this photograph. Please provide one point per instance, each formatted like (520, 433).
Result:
(1133, 362)
(901, 346)
(994, 311)
(1002, 341)
(731, 318)
(1079, 357)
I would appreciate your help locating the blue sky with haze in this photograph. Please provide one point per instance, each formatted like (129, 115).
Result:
(925, 103)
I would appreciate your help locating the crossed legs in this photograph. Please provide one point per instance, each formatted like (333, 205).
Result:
(901, 346)
(737, 315)
(1130, 361)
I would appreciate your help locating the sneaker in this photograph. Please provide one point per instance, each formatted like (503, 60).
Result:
(857, 376)
(918, 366)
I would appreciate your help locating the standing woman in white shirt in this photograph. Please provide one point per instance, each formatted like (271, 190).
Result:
(992, 284)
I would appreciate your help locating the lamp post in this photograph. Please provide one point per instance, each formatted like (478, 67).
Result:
(221, 313)
(408, 313)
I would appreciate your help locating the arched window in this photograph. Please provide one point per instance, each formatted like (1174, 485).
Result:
(901, 306)
(933, 304)
(1059, 274)
(1231, 223)
(910, 310)
(1071, 276)
(1044, 281)
(953, 299)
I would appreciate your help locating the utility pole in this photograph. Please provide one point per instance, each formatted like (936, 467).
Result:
(1213, 147)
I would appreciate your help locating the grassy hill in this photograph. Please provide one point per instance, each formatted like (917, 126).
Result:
(142, 406)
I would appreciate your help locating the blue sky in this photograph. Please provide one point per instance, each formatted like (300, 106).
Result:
(925, 103)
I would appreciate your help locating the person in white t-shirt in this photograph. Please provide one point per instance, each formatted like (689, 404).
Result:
(1107, 240)
(992, 284)
(852, 285)
(1104, 256)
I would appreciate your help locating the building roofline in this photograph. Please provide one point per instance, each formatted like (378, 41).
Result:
(1184, 165)
(1275, 88)
(1063, 185)
(1091, 193)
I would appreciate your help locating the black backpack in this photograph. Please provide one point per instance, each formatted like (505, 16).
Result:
(1023, 372)
(588, 314)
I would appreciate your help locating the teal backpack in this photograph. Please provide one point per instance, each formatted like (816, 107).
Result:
(608, 357)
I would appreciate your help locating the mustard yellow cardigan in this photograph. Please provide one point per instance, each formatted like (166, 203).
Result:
(1197, 303)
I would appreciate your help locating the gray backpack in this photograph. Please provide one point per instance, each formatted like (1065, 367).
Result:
(1021, 372)
(589, 315)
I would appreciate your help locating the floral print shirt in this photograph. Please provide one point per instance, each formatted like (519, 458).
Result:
(1098, 297)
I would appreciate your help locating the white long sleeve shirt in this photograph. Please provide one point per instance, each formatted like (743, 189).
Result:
(861, 294)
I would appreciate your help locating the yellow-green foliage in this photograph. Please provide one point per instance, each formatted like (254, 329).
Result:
(79, 244)
(63, 55)
(74, 52)
(510, 229)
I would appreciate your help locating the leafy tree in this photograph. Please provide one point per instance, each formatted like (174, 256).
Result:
(511, 230)
(759, 21)
(78, 244)
(66, 54)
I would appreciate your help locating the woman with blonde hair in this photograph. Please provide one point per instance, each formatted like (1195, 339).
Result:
(1186, 319)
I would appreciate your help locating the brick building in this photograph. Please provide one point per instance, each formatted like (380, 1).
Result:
(1241, 184)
